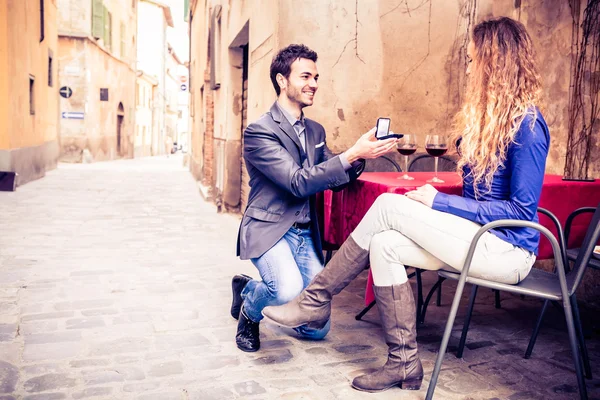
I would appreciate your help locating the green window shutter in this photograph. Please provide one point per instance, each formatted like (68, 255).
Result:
(107, 29)
(122, 39)
(97, 19)
(110, 31)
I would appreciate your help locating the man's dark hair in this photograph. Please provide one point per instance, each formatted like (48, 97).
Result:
(283, 60)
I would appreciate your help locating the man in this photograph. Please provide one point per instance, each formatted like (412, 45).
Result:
(288, 162)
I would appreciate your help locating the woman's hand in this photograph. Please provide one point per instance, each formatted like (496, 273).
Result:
(424, 194)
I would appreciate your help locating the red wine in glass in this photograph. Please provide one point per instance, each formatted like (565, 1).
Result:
(406, 146)
(436, 151)
(436, 146)
(407, 151)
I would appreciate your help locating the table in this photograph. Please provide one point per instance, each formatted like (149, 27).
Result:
(342, 211)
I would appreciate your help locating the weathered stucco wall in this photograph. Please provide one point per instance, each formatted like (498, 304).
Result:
(87, 65)
(28, 139)
(75, 16)
(92, 68)
(382, 58)
(405, 60)
(143, 117)
(4, 95)
(216, 114)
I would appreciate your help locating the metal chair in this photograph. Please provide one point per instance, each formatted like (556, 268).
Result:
(438, 285)
(382, 164)
(424, 162)
(557, 286)
(570, 255)
(574, 252)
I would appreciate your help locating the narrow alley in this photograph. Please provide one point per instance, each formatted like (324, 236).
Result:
(116, 285)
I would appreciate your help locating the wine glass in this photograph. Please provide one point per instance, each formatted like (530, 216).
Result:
(436, 146)
(406, 146)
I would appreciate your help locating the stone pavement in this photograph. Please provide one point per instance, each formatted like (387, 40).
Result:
(115, 284)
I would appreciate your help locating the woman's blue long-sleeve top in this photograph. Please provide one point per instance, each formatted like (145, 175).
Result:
(515, 190)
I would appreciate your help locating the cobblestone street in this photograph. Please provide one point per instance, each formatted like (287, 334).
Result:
(115, 284)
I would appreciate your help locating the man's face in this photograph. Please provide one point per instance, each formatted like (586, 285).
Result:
(302, 85)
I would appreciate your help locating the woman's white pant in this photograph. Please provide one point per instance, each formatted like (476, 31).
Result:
(401, 232)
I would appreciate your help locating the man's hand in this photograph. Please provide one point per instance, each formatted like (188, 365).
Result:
(424, 194)
(367, 146)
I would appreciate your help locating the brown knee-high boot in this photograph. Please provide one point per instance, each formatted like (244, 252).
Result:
(403, 368)
(313, 305)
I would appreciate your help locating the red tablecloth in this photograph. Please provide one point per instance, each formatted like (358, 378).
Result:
(343, 210)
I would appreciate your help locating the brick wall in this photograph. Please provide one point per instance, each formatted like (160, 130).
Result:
(208, 165)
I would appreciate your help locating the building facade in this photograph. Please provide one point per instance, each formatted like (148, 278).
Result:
(28, 88)
(172, 89)
(145, 93)
(154, 18)
(376, 58)
(97, 77)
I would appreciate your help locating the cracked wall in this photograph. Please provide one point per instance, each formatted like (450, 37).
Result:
(405, 59)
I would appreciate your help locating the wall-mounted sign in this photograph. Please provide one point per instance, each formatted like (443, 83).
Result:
(183, 87)
(65, 92)
(72, 70)
(104, 94)
(72, 114)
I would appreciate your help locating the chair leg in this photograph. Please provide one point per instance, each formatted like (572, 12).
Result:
(419, 293)
(437, 285)
(463, 337)
(497, 297)
(584, 353)
(328, 255)
(575, 349)
(445, 340)
(365, 310)
(438, 300)
(536, 329)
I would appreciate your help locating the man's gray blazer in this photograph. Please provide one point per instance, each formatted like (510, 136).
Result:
(282, 178)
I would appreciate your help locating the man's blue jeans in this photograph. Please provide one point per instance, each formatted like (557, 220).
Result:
(286, 269)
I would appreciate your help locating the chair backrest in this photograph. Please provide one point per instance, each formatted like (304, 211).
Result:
(585, 252)
(424, 162)
(382, 164)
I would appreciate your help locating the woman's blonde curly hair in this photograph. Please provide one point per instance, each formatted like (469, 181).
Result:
(503, 87)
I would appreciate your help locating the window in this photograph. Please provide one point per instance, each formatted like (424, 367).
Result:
(137, 93)
(42, 30)
(31, 95)
(122, 39)
(104, 94)
(97, 19)
(214, 50)
(107, 29)
(50, 57)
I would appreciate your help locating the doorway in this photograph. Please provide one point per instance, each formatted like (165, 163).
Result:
(120, 117)
(245, 178)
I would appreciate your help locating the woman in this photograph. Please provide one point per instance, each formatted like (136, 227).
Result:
(503, 144)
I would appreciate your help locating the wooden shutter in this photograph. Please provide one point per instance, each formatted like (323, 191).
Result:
(97, 19)
(107, 29)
